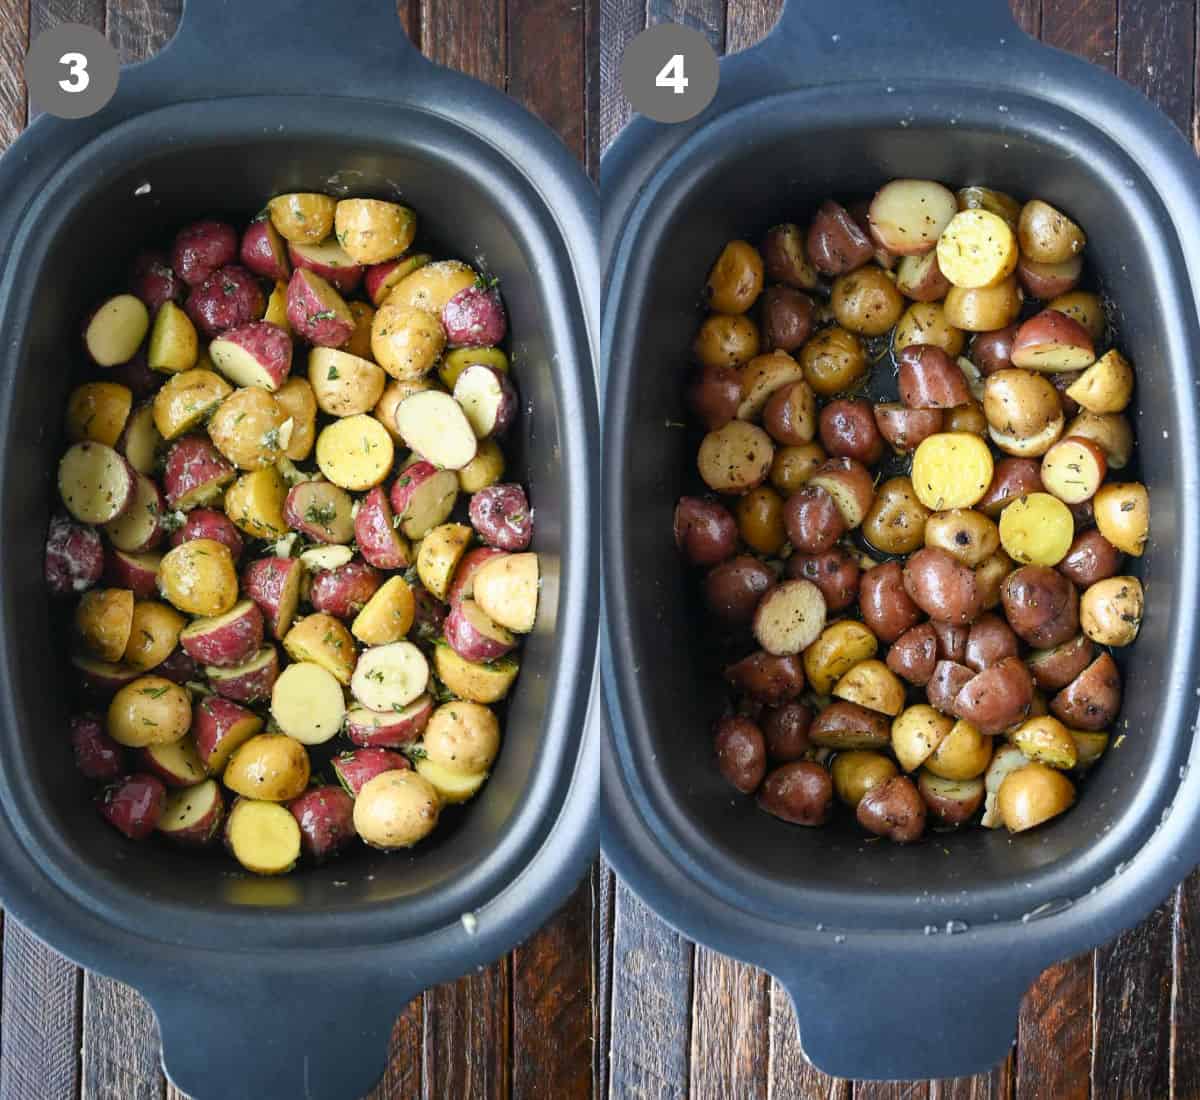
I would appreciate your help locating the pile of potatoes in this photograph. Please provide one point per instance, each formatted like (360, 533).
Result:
(929, 586)
(290, 438)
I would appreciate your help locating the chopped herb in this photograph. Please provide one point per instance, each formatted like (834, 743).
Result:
(333, 374)
(321, 514)
(376, 674)
(270, 439)
(486, 282)
(1128, 505)
(154, 693)
(324, 315)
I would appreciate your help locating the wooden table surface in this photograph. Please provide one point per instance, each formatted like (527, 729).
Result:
(1121, 1022)
(520, 1028)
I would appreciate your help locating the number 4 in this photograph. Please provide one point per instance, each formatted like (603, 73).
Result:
(671, 75)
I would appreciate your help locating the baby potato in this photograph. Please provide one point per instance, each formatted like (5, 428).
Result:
(103, 622)
(299, 405)
(462, 737)
(1106, 386)
(1048, 741)
(866, 301)
(270, 767)
(916, 732)
(186, 399)
(785, 259)
(199, 577)
(951, 470)
(396, 809)
(1037, 529)
(735, 458)
(1111, 430)
(406, 340)
(995, 202)
(736, 279)
(1047, 235)
(963, 753)
(894, 809)
(431, 286)
(360, 339)
(833, 360)
(838, 648)
(255, 503)
(302, 217)
(926, 323)
(486, 468)
(983, 309)
(149, 711)
(1110, 611)
(786, 316)
(857, 771)
(323, 640)
(248, 429)
(355, 452)
(762, 378)
(966, 418)
(1020, 403)
(1085, 307)
(344, 384)
(1031, 795)
(760, 520)
(153, 636)
(873, 685)
(896, 522)
(791, 467)
(1122, 511)
(98, 411)
(969, 535)
(726, 340)
(977, 249)
(1073, 469)
(373, 231)
(989, 576)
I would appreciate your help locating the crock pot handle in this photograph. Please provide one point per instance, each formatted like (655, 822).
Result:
(897, 25)
(886, 1011)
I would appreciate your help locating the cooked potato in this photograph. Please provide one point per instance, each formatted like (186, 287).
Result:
(1073, 469)
(1048, 741)
(760, 520)
(1031, 795)
(249, 429)
(104, 621)
(736, 279)
(951, 470)
(174, 344)
(1085, 307)
(735, 458)
(1020, 403)
(916, 732)
(255, 503)
(907, 216)
(762, 378)
(1049, 281)
(149, 711)
(199, 577)
(153, 636)
(851, 486)
(462, 737)
(98, 411)
(396, 809)
(263, 837)
(873, 685)
(995, 202)
(270, 767)
(834, 360)
(989, 576)
(302, 217)
(785, 258)
(1111, 430)
(344, 384)
(983, 309)
(186, 399)
(1053, 341)
(1037, 529)
(324, 641)
(963, 753)
(926, 323)
(1110, 611)
(1047, 235)
(843, 725)
(406, 340)
(1089, 747)
(373, 231)
(788, 619)
(966, 418)
(920, 278)
(858, 771)
(977, 249)
(896, 522)
(355, 452)
(839, 648)
(1122, 511)
(969, 535)
(866, 301)
(1106, 386)
(299, 405)
(725, 340)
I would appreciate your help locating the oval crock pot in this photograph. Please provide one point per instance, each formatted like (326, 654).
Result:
(902, 962)
(289, 987)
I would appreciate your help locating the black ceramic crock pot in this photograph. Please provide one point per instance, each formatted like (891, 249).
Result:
(289, 987)
(902, 962)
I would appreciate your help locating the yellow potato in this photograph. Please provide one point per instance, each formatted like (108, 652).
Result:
(736, 279)
(1046, 740)
(103, 622)
(344, 384)
(1085, 307)
(430, 287)
(174, 345)
(1047, 235)
(478, 683)
(873, 685)
(396, 809)
(373, 231)
(916, 732)
(833, 360)
(199, 577)
(360, 339)
(462, 737)
(452, 787)
(996, 202)
(963, 753)
(324, 641)
(98, 411)
(1106, 386)
(1031, 795)
(857, 771)
(977, 249)
(456, 361)
(276, 312)
(982, 309)
(951, 470)
(969, 535)
(387, 616)
(255, 503)
(1037, 529)
(248, 429)
(299, 405)
(406, 341)
(838, 649)
(355, 452)
(1110, 611)
(302, 217)
(486, 468)
(989, 576)
(186, 399)
(926, 323)
(439, 555)
(149, 711)
(154, 634)
(1111, 430)
(1089, 747)
(1122, 511)
(264, 837)
(270, 767)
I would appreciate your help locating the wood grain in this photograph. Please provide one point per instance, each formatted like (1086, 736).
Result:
(1028, 14)
(620, 21)
(1084, 27)
(121, 1050)
(403, 1076)
(605, 921)
(1054, 1033)
(997, 1085)
(748, 21)
(1185, 991)
(891, 1090)
(791, 1076)
(550, 82)
(14, 40)
(140, 28)
(705, 16)
(470, 36)
(1156, 49)
(731, 1010)
(468, 1036)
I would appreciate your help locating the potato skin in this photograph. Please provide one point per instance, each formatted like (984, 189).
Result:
(728, 339)
(714, 395)
(833, 360)
(785, 259)
(736, 279)
(733, 588)
(848, 430)
(893, 809)
(270, 766)
(906, 429)
(942, 586)
(1031, 795)
(914, 654)
(1012, 477)
(996, 698)
(989, 641)
(836, 243)
(992, 351)
(787, 318)
(948, 679)
(866, 301)
(800, 793)
(970, 537)
(768, 678)
(930, 379)
(1090, 701)
(859, 771)
(834, 572)
(790, 414)
(1054, 668)
(847, 725)
(741, 752)
(812, 520)
(1091, 558)
(785, 730)
(759, 520)
(896, 522)
(884, 602)
(1041, 605)
(1111, 611)
(705, 532)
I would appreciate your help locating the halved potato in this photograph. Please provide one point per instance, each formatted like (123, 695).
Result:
(174, 345)
(951, 470)
(307, 703)
(264, 837)
(1122, 511)
(908, 216)
(356, 452)
(788, 619)
(1106, 386)
(977, 249)
(1037, 529)
(873, 685)
(324, 641)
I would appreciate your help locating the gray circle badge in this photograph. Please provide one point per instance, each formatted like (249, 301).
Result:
(669, 73)
(71, 71)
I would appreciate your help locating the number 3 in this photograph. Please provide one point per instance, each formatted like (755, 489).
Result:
(79, 79)
(671, 75)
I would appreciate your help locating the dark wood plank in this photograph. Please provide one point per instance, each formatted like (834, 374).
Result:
(620, 20)
(402, 1078)
(468, 1038)
(606, 891)
(997, 1085)
(748, 21)
(1028, 14)
(591, 56)
(651, 997)
(1054, 1033)
(140, 28)
(731, 1010)
(120, 1044)
(892, 1090)
(550, 81)
(1185, 997)
(705, 16)
(790, 1075)
(552, 1005)
(470, 37)
(14, 41)
(1156, 50)
(41, 1002)
(1131, 1026)
(1084, 27)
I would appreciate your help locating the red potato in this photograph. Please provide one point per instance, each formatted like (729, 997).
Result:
(475, 317)
(101, 679)
(850, 484)
(329, 260)
(789, 618)
(992, 351)
(136, 375)
(196, 473)
(1011, 478)
(884, 604)
(74, 558)
(317, 312)
(848, 430)
(913, 656)
(488, 398)
(381, 279)
(836, 243)
(812, 520)
(1046, 281)
(251, 682)
(767, 678)
(256, 354)
(921, 279)
(705, 532)
(355, 769)
(1054, 668)
(380, 544)
(423, 497)
(321, 510)
(140, 528)
(1091, 558)
(931, 379)
(1041, 605)
(948, 679)
(154, 280)
(785, 729)
(225, 640)
(834, 572)
(951, 801)
(115, 331)
(95, 483)
(228, 298)
(906, 429)
(133, 805)
(434, 425)
(800, 793)
(714, 394)
(140, 439)
(343, 592)
(219, 727)
(179, 668)
(325, 815)
(473, 635)
(1073, 469)
(907, 216)
(177, 764)
(97, 756)
(1052, 341)
(264, 251)
(741, 752)
(462, 587)
(1090, 701)
(193, 816)
(274, 584)
(208, 523)
(989, 641)
(201, 248)
(390, 729)
(951, 640)
(502, 517)
(941, 586)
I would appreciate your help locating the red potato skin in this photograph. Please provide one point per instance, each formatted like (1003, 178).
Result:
(393, 732)
(1090, 701)
(462, 587)
(942, 586)
(848, 430)
(502, 517)
(1055, 668)
(894, 809)
(228, 298)
(136, 375)
(989, 641)
(1050, 326)
(952, 640)
(97, 756)
(74, 558)
(377, 539)
(733, 588)
(343, 592)
(812, 520)
(344, 280)
(713, 395)
(1011, 478)
(268, 343)
(992, 351)
(429, 613)
(250, 686)
(705, 532)
(133, 805)
(836, 244)
(212, 720)
(948, 679)
(906, 429)
(201, 248)
(996, 698)
(834, 572)
(741, 752)
(405, 487)
(785, 729)
(1091, 558)
(884, 604)
(295, 507)
(913, 656)
(179, 667)
(475, 318)
(263, 581)
(375, 280)
(1041, 605)
(263, 251)
(193, 462)
(154, 280)
(766, 678)
(800, 793)
(468, 642)
(208, 523)
(310, 319)
(355, 769)
(930, 379)
(230, 645)
(786, 318)
(325, 815)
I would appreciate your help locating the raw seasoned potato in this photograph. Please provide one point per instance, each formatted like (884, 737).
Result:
(480, 683)
(506, 588)
(735, 458)
(1037, 529)
(405, 340)
(1106, 386)
(840, 647)
(866, 301)
(116, 330)
(963, 753)
(302, 217)
(969, 535)
(1122, 511)
(951, 470)
(199, 577)
(977, 249)
(249, 429)
(486, 468)
(462, 737)
(1047, 235)
(1031, 795)
(916, 732)
(833, 361)
(270, 767)
(925, 323)
(907, 216)
(896, 522)
(1048, 741)
(355, 452)
(149, 711)
(396, 809)
(344, 384)
(299, 405)
(873, 685)
(307, 703)
(255, 503)
(103, 622)
(98, 411)
(439, 555)
(387, 615)
(452, 787)
(983, 309)
(736, 279)
(373, 231)
(263, 837)
(186, 399)
(324, 641)
(390, 677)
(1110, 611)
(153, 636)
(436, 426)
(431, 286)
(174, 344)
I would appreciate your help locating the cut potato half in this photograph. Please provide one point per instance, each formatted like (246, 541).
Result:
(451, 786)
(434, 425)
(389, 677)
(95, 483)
(264, 837)
(116, 330)
(307, 703)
